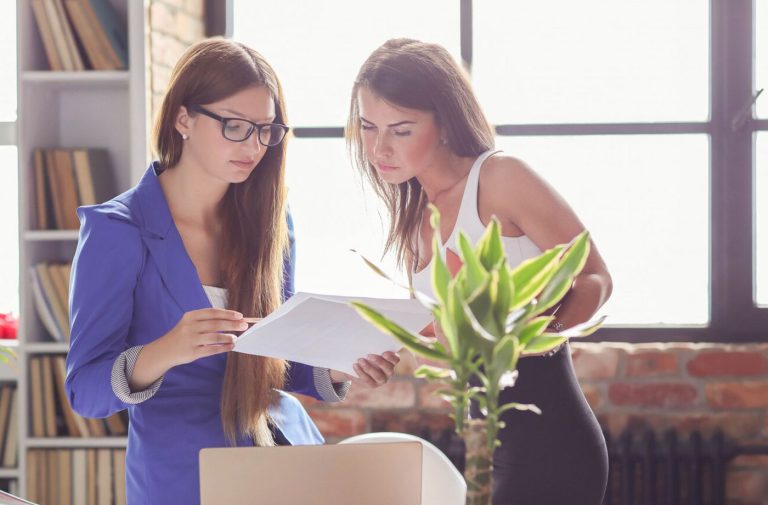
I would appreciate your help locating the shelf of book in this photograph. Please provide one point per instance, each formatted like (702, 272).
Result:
(81, 140)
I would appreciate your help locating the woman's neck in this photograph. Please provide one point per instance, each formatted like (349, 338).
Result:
(191, 195)
(443, 175)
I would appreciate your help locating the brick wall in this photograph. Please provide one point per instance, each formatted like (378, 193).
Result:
(174, 25)
(684, 386)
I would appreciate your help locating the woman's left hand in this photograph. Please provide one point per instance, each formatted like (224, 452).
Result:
(372, 371)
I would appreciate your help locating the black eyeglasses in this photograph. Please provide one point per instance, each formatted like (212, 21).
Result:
(238, 130)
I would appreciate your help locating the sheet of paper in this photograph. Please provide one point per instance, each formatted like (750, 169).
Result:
(325, 331)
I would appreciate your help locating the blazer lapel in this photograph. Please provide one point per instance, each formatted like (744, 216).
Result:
(166, 247)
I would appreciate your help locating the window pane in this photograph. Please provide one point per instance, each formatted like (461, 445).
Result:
(332, 214)
(645, 200)
(761, 221)
(317, 48)
(8, 61)
(761, 54)
(592, 61)
(9, 231)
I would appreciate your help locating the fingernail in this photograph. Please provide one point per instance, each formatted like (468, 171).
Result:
(238, 315)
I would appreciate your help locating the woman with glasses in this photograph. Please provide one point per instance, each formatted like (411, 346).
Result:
(166, 274)
(417, 132)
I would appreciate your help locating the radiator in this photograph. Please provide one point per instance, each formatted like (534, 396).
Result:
(650, 469)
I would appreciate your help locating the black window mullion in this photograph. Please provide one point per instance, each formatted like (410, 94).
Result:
(465, 32)
(734, 315)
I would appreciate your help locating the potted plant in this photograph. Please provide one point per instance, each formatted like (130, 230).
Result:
(490, 315)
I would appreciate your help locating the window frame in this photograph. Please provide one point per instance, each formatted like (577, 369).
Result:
(734, 315)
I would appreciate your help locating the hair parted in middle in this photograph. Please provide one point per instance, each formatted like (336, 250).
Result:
(411, 74)
(254, 212)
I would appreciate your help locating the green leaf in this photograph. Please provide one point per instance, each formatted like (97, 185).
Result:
(544, 343)
(422, 298)
(489, 248)
(571, 264)
(504, 293)
(532, 275)
(505, 355)
(485, 337)
(482, 306)
(534, 328)
(520, 406)
(434, 373)
(440, 274)
(408, 339)
(453, 323)
(476, 273)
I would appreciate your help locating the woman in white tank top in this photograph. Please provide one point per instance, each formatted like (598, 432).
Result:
(418, 134)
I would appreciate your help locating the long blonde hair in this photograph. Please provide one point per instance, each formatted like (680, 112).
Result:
(416, 75)
(254, 218)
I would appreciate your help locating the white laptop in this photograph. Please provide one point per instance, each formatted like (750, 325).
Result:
(354, 474)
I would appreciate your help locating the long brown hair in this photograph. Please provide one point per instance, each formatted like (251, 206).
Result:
(254, 220)
(416, 75)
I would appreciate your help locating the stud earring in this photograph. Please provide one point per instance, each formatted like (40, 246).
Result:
(184, 136)
(444, 141)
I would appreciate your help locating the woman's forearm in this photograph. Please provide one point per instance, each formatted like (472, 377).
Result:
(153, 363)
(588, 293)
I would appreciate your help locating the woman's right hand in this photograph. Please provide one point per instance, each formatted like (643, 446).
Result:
(202, 333)
(199, 333)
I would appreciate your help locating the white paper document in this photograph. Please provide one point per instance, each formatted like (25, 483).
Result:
(325, 331)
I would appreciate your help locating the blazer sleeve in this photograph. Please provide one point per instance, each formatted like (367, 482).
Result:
(105, 270)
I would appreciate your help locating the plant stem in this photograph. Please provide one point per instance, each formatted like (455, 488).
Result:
(478, 469)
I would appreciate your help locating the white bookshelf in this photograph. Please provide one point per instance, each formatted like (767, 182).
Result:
(90, 109)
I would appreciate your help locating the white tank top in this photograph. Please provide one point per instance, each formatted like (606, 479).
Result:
(518, 249)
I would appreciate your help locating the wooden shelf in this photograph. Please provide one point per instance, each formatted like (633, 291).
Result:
(75, 443)
(50, 235)
(9, 473)
(46, 347)
(78, 80)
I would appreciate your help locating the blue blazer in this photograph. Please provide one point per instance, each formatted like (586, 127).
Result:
(132, 281)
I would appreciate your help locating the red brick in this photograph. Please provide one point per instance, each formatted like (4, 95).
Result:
(747, 484)
(737, 395)
(647, 364)
(395, 394)
(593, 395)
(723, 363)
(595, 361)
(668, 395)
(428, 398)
(750, 460)
(308, 401)
(339, 423)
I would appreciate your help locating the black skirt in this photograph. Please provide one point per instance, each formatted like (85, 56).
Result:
(558, 457)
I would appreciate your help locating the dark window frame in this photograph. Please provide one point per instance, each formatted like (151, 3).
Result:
(734, 316)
